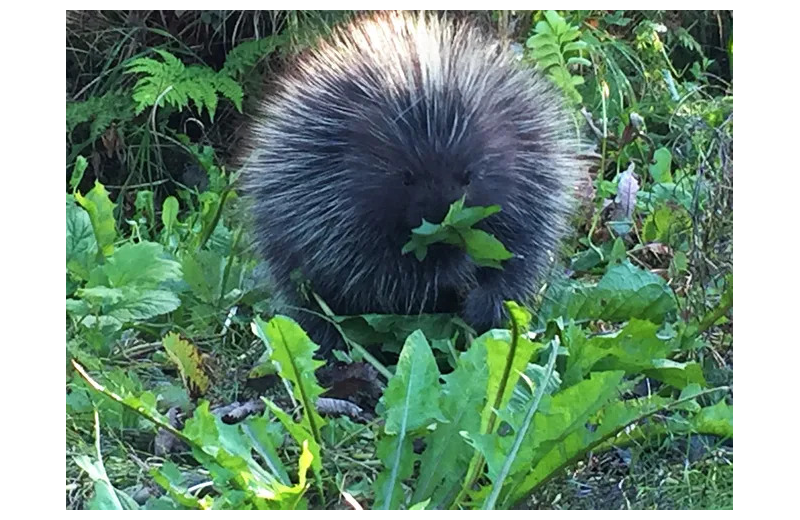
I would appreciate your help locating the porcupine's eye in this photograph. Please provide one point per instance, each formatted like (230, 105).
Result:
(467, 178)
(408, 178)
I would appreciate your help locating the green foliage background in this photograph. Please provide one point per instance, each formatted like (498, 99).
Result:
(628, 353)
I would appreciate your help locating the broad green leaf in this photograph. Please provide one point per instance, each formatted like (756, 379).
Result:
(77, 308)
(558, 416)
(169, 213)
(554, 455)
(573, 33)
(618, 251)
(660, 171)
(99, 297)
(576, 80)
(676, 374)
(539, 39)
(300, 433)
(716, 420)
(679, 263)
(397, 454)
(129, 304)
(687, 393)
(456, 229)
(522, 428)
(502, 370)
(420, 506)
(203, 271)
(209, 206)
(669, 225)
(634, 347)
(77, 172)
(485, 249)
(466, 217)
(411, 401)
(519, 314)
(542, 27)
(104, 326)
(670, 192)
(294, 352)
(140, 305)
(305, 461)
(142, 265)
(216, 443)
(547, 50)
(547, 61)
(446, 458)
(105, 496)
(427, 228)
(576, 46)
(267, 437)
(214, 437)
(81, 242)
(169, 477)
(570, 409)
(625, 292)
(412, 395)
(101, 213)
(556, 22)
(534, 374)
(637, 348)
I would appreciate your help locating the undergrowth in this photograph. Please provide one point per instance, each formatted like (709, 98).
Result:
(185, 390)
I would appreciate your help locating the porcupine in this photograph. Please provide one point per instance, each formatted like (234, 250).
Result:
(387, 122)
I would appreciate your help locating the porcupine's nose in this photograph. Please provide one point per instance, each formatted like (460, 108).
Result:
(439, 201)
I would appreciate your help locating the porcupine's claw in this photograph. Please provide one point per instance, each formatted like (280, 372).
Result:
(483, 310)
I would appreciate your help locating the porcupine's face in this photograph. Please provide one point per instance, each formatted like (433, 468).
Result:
(416, 171)
(431, 183)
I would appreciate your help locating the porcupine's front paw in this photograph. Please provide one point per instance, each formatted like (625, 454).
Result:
(483, 310)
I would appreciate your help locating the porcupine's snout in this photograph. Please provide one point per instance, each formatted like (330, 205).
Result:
(431, 201)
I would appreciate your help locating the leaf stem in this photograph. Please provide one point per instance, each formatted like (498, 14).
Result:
(725, 304)
(228, 265)
(523, 429)
(477, 463)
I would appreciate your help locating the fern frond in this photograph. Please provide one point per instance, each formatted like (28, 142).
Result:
(172, 83)
(100, 112)
(229, 88)
(554, 47)
(199, 86)
(244, 56)
(160, 76)
(146, 66)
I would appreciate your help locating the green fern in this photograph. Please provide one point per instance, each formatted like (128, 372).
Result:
(171, 82)
(229, 88)
(555, 46)
(100, 112)
(244, 56)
